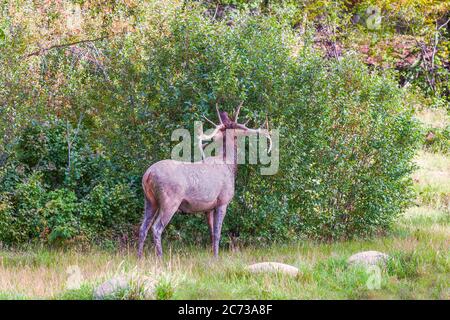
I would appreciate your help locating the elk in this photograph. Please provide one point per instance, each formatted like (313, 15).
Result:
(192, 187)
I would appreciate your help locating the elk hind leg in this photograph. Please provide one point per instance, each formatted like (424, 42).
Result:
(163, 218)
(150, 212)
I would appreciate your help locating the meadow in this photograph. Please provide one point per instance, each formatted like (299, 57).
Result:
(419, 268)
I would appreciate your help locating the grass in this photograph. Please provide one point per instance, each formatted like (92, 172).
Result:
(434, 117)
(432, 180)
(419, 267)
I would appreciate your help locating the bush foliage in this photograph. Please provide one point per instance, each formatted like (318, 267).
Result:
(95, 120)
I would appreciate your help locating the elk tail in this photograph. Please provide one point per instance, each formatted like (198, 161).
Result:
(149, 194)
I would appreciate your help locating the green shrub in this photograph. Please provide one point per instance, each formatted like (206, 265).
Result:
(29, 200)
(346, 137)
(60, 215)
(7, 220)
(44, 199)
(108, 209)
(34, 213)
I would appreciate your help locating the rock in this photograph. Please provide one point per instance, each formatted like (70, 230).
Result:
(144, 286)
(272, 267)
(368, 258)
(110, 287)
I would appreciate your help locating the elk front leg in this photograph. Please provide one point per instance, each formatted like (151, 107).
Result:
(219, 214)
(210, 220)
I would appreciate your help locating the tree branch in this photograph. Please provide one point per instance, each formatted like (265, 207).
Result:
(59, 46)
(70, 141)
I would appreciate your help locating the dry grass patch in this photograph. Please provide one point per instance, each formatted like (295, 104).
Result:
(436, 118)
(433, 169)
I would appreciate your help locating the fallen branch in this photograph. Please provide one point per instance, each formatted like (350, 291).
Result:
(59, 46)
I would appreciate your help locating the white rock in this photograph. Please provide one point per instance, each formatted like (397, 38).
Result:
(368, 258)
(126, 282)
(272, 267)
(110, 287)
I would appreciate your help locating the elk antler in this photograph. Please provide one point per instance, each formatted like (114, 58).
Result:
(218, 113)
(237, 111)
(204, 117)
(259, 131)
(203, 136)
(207, 137)
(268, 135)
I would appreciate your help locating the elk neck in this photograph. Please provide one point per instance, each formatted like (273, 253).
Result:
(230, 145)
